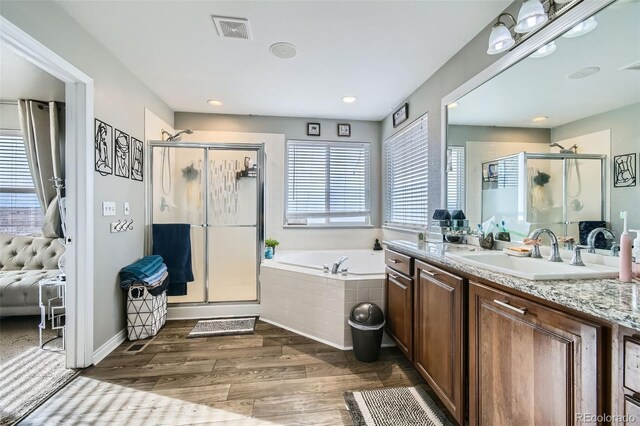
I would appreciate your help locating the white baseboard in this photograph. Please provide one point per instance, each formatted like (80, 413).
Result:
(180, 312)
(108, 347)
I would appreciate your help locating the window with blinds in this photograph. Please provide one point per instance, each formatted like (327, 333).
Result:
(327, 183)
(406, 177)
(455, 178)
(20, 211)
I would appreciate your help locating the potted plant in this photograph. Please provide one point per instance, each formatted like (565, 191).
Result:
(272, 243)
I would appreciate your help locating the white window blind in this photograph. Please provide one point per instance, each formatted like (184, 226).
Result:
(20, 211)
(455, 178)
(406, 177)
(327, 183)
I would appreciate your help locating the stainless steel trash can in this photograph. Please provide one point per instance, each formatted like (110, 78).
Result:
(367, 322)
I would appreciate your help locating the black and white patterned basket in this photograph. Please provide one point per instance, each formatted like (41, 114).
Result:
(146, 313)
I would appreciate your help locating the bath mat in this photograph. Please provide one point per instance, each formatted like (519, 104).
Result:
(224, 327)
(28, 380)
(394, 407)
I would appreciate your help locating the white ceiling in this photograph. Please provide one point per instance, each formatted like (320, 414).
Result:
(540, 87)
(20, 79)
(378, 51)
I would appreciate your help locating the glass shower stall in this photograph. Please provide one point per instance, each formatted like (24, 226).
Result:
(554, 191)
(218, 189)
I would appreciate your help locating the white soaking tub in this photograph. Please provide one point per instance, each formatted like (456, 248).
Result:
(297, 295)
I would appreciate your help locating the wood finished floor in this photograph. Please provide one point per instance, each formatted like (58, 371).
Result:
(271, 377)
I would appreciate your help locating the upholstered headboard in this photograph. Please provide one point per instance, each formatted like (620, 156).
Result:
(29, 253)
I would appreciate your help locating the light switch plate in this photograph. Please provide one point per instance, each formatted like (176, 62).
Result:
(108, 208)
(126, 208)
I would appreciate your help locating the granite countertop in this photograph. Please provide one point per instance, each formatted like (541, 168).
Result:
(608, 299)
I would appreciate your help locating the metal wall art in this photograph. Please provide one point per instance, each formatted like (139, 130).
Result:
(137, 159)
(117, 150)
(624, 170)
(103, 148)
(122, 154)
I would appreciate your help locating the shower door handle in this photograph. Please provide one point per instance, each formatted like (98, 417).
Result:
(199, 226)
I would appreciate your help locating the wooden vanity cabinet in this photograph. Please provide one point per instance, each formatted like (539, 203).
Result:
(629, 351)
(530, 364)
(438, 343)
(399, 300)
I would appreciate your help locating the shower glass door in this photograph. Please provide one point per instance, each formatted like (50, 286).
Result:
(233, 217)
(178, 191)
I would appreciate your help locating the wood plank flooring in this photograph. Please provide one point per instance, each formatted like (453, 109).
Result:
(273, 377)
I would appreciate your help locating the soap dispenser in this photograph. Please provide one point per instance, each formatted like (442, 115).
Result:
(635, 268)
(625, 252)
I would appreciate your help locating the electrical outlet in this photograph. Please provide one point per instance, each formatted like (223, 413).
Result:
(108, 208)
(126, 208)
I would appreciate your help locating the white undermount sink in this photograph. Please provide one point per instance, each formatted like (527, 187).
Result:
(533, 269)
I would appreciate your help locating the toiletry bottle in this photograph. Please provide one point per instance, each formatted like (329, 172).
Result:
(625, 252)
(636, 254)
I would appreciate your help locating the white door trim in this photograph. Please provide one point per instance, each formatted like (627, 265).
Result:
(79, 185)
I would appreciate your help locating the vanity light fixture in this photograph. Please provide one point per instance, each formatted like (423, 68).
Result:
(582, 28)
(349, 99)
(545, 50)
(540, 119)
(213, 102)
(533, 15)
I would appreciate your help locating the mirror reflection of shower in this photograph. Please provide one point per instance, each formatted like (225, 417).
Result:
(166, 161)
(573, 168)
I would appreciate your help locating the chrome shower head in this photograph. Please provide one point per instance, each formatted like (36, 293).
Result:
(177, 136)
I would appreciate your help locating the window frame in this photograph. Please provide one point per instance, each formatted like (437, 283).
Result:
(404, 227)
(346, 225)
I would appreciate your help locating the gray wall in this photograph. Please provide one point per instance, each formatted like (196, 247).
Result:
(120, 99)
(466, 63)
(296, 128)
(459, 135)
(625, 138)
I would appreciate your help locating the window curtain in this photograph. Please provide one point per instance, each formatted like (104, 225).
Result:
(42, 126)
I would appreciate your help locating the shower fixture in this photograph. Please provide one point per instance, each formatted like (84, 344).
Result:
(177, 136)
(563, 150)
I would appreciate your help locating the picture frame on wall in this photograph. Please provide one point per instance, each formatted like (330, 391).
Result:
(401, 115)
(103, 148)
(137, 159)
(625, 170)
(313, 129)
(121, 154)
(344, 130)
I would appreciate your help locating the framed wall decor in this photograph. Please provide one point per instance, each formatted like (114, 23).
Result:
(624, 171)
(137, 159)
(121, 155)
(344, 129)
(103, 148)
(313, 129)
(401, 115)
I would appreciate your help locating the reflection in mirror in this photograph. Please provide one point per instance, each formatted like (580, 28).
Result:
(535, 146)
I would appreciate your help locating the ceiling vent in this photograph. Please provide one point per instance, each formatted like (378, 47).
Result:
(631, 67)
(237, 28)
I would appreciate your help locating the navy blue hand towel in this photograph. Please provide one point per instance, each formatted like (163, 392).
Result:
(172, 241)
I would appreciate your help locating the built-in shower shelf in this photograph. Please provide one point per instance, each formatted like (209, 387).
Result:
(247, 173)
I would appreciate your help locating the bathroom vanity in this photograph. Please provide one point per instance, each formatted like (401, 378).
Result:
(498, 349)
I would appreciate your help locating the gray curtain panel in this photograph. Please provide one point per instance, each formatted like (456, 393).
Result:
(42, 126)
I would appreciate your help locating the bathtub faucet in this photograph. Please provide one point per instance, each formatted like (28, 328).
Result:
(336, 265)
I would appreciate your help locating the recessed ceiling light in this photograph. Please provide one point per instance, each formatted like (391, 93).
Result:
(584, 72)
(283, 50)
(349, 99)
(582, 28)
(452, 105)
(545, 50)
(213, 102)
(539, 118)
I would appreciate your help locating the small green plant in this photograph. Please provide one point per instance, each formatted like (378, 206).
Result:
(271, 243)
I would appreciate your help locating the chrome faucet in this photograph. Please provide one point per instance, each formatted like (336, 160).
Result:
(591, 239)
(336, 265)
(555, 251)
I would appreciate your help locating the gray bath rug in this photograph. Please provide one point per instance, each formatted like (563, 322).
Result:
(224, 327)
(29, 379)
(394, 407)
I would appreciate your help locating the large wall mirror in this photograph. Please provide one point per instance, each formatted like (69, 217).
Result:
(553, 141)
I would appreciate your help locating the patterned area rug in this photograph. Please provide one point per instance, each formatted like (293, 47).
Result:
(394, 407)
(224, 327)
(29, 379)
